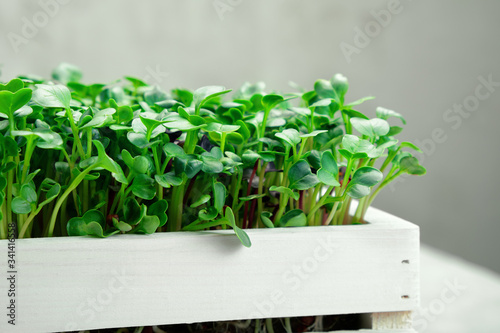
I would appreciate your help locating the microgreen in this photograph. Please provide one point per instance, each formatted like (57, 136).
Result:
(125, 157)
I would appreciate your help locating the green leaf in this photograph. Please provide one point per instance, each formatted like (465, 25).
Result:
(65, 73)
(394, 130)
(10, 146)
(290, 136)
(85, 164)
(3, 123)
(357, 147)
(122, 226)
(385, 142)
(8, 166)
(231, 160)
(366, 176)
(372, 128)
(168, 179)
(399, 157)
(176, 122)
(358, 191)
(202, 95)
(384, 113)
(249, 157)
(321, 102)
(101, 118)
(154, 95)
(52, 96)
(139, 139)
(240, 233)
(52, 192)
(266, 219)
(294, 218)
(211, 165)
(243, 130)
(141, 164)
(252, 197)
(314, 159)
(271, 143)
(123, 114)
(340, 86)
(324, 89)
(170, 103)
(201, 200)
(410, 165)
(136, 82)
(268, 156)
(271, 100)
(208, 214)
(148, 119)
(95, 89)
(62, 170)
(183, 96)
(236, 138)
(329, 172)
(79, 88)
(25, 111)
(20, 98)
(234, 113)
(410, 145)
(283, 190)
(6, 98)
(301, 177)
(132, 211)
(20, 205)
(105, 162)
(12, 86)
(148, 225)
(354, 114)
(32, 175)
(143, 187)
(28, 193)
(360, 101)
(49, 139)
(219, 196)
(173, 150)
(221, 128)
(159, 209)
(91, 223)
(313, 134)
(193, 166)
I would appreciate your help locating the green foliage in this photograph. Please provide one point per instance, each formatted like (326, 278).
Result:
(301, 176)
(103, 159)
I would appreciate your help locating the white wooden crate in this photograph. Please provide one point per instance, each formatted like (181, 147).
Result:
(75, 283)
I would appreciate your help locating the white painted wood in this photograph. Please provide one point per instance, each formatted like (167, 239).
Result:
(409, 330)
(74, 283)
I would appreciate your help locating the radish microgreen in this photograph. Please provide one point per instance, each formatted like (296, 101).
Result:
(126, 157)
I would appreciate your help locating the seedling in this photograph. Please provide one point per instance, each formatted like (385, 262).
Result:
(126, 157)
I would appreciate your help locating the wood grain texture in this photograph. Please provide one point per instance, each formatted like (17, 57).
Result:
(132, 280)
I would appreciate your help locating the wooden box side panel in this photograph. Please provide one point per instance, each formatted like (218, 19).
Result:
(83, 283)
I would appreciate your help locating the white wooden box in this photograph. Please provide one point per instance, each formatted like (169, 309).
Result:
(76, 283)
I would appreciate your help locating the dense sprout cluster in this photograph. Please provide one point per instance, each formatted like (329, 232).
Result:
(127, 157)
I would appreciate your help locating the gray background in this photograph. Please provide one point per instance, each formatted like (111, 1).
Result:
(427, 58)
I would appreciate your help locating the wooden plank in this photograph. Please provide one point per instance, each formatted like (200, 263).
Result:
(133, 280)
(408, 330)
